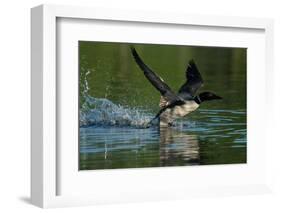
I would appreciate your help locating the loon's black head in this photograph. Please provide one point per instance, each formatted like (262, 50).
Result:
(206, 96)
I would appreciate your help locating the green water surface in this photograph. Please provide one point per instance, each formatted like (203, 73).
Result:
(214, 134)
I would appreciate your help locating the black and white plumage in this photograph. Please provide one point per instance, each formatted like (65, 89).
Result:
(175, 105)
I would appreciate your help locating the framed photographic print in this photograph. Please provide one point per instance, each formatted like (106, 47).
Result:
(130, 105)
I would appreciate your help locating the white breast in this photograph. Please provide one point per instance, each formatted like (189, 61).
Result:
(185, 109)
(170, 114)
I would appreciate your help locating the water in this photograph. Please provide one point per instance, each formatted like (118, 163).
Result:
(116, 103)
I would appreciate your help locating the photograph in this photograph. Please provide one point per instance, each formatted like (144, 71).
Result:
(161, 105)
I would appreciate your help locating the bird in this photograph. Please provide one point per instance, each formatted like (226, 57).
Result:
(176, 105)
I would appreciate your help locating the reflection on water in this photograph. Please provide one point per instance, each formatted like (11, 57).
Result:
(116, 102)
(213, 137)
(175, 145)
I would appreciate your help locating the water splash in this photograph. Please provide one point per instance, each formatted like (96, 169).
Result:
(103, 112)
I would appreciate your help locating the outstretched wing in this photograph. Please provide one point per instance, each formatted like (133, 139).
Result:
(193, 83)
(157, 82)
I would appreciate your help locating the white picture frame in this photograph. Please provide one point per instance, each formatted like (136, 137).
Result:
(44, 148)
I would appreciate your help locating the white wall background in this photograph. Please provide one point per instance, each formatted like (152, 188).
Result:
(15, 104)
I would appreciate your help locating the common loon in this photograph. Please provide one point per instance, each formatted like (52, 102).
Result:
(174, 105)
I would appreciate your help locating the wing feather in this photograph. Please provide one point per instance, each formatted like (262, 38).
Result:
(193, 82)
(156, 81)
